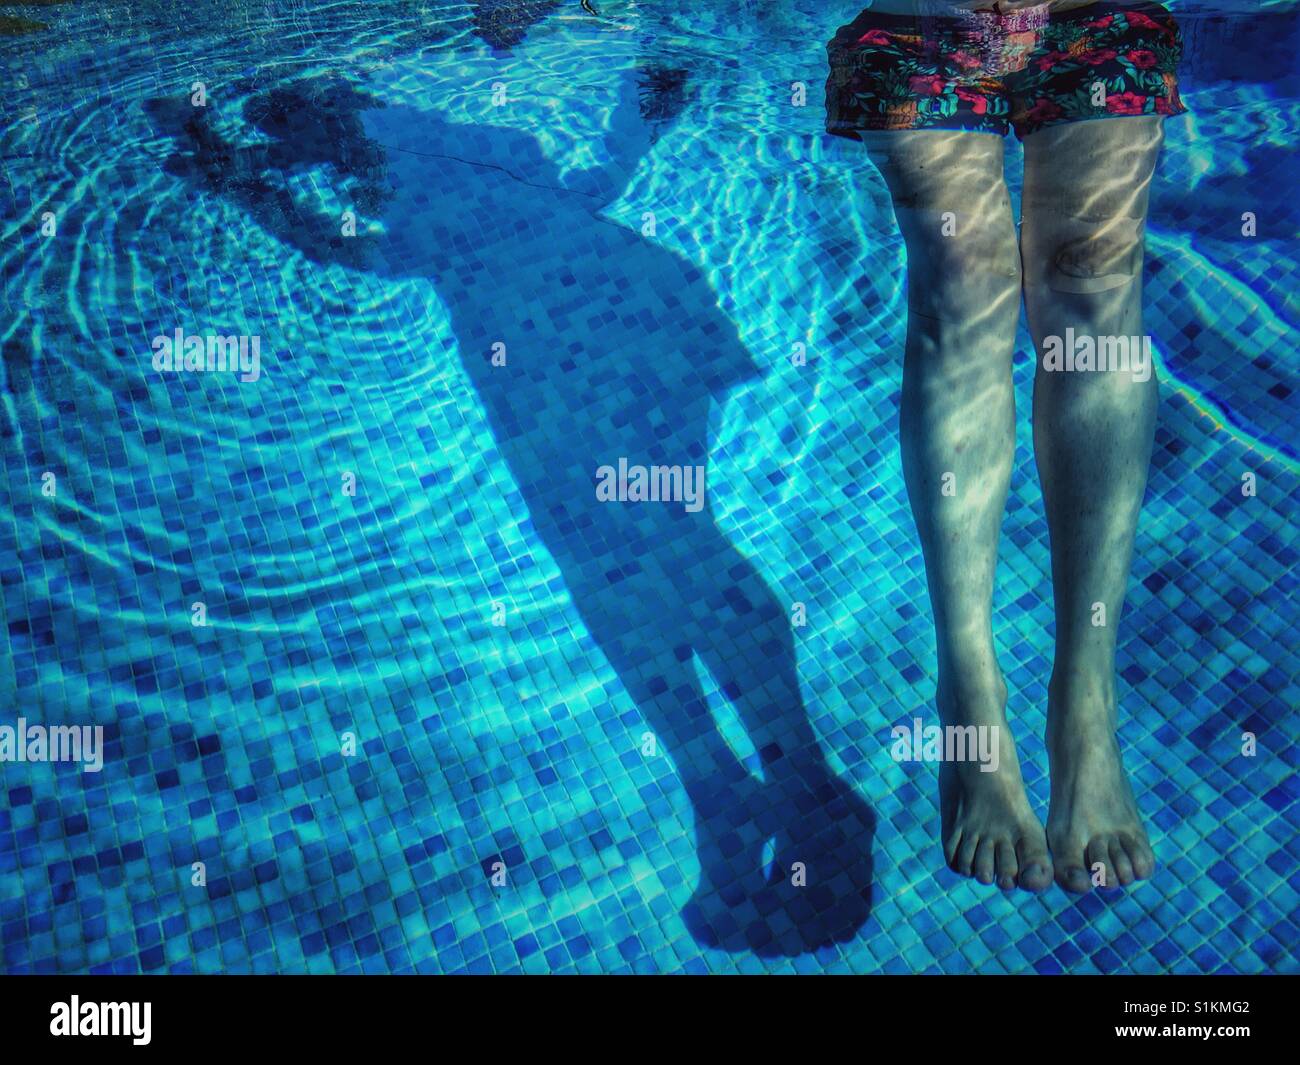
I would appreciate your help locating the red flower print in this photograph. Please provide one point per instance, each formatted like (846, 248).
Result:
(1101, 23)
(1126, 103)
(965, 60)
(1142, 58)
(1051, 59)
(876, 37)
(926, 84)
(1097, 56)
(1142, 22)
(1044, 110)
(979, 103)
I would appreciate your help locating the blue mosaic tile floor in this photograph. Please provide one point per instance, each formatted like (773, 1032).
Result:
(650, 228)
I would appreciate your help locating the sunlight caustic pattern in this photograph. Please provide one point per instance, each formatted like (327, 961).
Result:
(384, 689)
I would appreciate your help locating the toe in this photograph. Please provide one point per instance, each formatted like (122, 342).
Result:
(985, 861)
(952, 849)
(1140, 857)
(1119, 861)
(1068, 867)
(966, 852)
(1007, 866)
(1035, 866)
(1100, 871)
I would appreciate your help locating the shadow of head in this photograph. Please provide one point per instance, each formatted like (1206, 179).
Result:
(504, 24)
(307, 123)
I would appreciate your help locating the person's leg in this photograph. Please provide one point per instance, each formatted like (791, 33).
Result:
(958, 440)
(1085, 203)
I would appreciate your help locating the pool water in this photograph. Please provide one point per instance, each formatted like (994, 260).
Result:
(385, 689)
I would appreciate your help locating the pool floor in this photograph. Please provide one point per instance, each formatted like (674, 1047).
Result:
(385, 688)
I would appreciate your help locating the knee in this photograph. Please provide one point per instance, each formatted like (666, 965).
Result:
(1084, 256)
(991, 261)
(972, 276)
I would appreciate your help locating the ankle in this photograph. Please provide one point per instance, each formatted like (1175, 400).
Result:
(1081, 703)
(1082, 685)
(970, 699)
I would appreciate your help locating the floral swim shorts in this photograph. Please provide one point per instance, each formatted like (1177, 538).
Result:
(987, 72)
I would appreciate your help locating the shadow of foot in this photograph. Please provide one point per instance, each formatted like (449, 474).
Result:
(785, 868)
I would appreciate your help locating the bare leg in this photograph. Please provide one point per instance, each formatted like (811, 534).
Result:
(958, 441)
(1085, 206)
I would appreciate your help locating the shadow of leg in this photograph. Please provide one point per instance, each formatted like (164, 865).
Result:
(816, 830)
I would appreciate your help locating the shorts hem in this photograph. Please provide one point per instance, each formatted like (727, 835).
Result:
(853, 132)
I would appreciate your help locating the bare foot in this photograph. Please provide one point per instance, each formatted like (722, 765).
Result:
(1093, 825)
(989, 831)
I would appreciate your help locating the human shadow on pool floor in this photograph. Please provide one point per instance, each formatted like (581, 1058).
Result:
(503, 24)
(615, 348)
